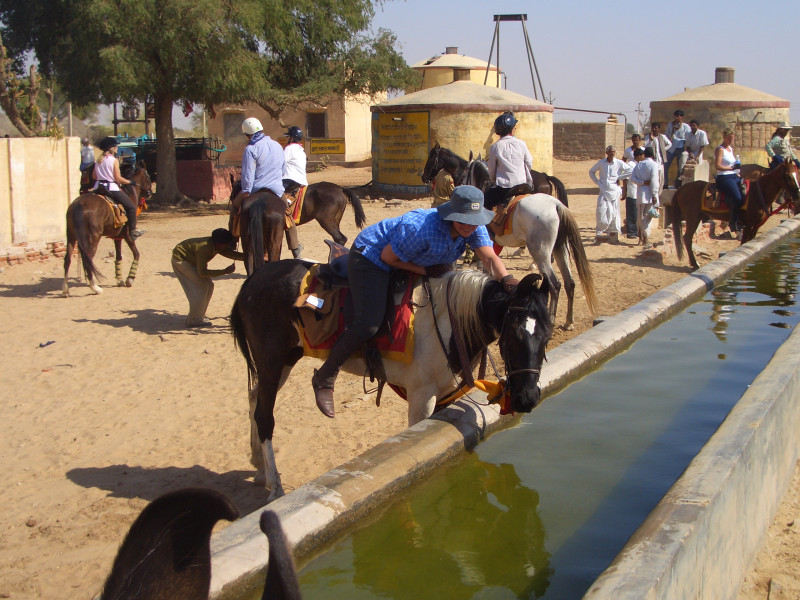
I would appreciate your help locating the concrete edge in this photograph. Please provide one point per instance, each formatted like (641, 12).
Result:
(325, 508)
(701, 538)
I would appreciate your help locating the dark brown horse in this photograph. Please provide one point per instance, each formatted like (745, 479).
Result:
(90, 217)
(542, 182)
(324, 202)
(689, 204)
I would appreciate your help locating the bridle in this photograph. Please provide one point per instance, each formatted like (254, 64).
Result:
(504, 350)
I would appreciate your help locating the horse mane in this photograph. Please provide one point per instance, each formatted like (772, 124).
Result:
(467, 290)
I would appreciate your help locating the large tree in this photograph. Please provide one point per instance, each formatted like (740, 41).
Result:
(276, 53)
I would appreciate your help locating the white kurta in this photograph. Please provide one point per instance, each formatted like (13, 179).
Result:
(606, 174)
(646, 171)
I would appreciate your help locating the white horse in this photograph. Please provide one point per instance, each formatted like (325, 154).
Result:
(266, 326)
(549, 230)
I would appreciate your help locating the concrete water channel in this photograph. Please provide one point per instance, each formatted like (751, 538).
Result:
(541, 509)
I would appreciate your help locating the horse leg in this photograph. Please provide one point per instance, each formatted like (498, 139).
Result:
(135, 264)
(692, 221)
(118, 262)
(541, 257)
(561, 256)
(67, 261)
(421, 404)
(92, 284)
(331, 226)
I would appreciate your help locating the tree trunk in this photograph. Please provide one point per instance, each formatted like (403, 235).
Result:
(166, 170)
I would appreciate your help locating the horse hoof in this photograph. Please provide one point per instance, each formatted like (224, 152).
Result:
(275, 494)
(96, 289)
(129, 282)
(120, 283)
(569, 327)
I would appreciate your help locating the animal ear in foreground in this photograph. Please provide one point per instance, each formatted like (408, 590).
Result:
(281, 581)
(166, 552)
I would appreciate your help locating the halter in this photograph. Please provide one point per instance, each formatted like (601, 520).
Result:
(503, 353)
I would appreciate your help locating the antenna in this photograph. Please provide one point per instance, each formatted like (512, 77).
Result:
(528, 48)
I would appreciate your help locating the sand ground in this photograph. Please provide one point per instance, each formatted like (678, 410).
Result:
(108, 401)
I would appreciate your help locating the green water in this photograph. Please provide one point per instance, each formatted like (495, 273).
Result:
(540, 510)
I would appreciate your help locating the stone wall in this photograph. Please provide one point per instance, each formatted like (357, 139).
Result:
(39, 177)
(585, 141)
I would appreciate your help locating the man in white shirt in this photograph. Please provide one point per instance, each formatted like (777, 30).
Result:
(677, 131)
(646, 176)
(660, 144)
(611, 170)
(696, 140)
(509, 161)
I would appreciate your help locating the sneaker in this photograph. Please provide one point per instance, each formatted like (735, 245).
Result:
(136, 233)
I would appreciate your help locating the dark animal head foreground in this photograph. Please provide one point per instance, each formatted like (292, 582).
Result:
(527, 327)
(166, 552)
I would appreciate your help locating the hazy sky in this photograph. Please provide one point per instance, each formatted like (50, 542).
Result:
(611, 56)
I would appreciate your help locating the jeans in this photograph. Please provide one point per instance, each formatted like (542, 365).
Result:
(729, 185)
(672, 155)
(369, 285)
(630, 217)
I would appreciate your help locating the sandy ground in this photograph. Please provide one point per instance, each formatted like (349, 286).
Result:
(109, 402)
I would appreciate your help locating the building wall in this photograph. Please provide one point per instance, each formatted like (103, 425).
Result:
(754, 125)
(584, 141)
(346, 137)
(397, 166)
(39, 177)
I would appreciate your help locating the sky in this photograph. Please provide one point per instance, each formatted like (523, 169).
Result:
(610, 56)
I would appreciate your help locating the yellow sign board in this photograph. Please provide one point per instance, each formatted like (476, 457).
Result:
(402, 140)
(327, 146)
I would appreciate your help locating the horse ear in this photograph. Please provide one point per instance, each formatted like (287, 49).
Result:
(470, 156)
(528, 284)
(437, 146)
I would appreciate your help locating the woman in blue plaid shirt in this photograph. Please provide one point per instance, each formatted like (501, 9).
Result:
(423, 241)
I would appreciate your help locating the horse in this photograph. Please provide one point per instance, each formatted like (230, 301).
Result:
(90, 217)
(166, 553)
(542, 182)
(265, 326)
(549, 230)
(687, 204)
(324, 202)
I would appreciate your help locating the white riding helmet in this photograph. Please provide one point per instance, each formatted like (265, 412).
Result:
(251, 126)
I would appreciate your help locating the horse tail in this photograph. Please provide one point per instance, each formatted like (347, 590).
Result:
(560, 188)
(355, 201)
(81, 231)
(240, 339)
(569, 232)
(677, 217)
(255, 230)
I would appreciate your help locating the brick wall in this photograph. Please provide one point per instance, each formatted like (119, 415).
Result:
(585, 141)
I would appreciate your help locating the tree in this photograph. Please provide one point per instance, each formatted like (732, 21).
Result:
(276, 53)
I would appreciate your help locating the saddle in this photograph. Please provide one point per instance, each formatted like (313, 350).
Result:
(503, 216)
(117, 211)
(714, 199)
(294, 205)
(325, 308)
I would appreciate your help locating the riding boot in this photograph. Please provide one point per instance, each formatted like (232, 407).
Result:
(291, 239)
(325, 377)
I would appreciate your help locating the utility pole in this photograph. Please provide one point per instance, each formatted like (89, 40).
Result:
(639, 113)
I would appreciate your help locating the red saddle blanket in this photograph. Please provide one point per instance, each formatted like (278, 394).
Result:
(716, 200)
(322, 317)
(297, 207)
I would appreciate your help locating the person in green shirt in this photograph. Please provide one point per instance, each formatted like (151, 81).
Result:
(779, 148)
(190, 261)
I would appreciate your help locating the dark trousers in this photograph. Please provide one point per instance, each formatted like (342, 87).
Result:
(777, 161)
(369, 285)
(630, 217)
(729, 185)
(130, 208)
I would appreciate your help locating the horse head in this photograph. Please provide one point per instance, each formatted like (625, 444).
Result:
(236, 187)
(527, 327)
(477, 174)
(142, 184)
(791, 182)
(433, 165)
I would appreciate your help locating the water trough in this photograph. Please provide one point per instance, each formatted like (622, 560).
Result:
(324, 508)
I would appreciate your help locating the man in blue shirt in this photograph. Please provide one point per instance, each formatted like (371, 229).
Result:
(262, 171)
(423, 241)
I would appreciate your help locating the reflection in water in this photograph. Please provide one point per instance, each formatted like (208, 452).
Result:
(774, 277)
(472, 531)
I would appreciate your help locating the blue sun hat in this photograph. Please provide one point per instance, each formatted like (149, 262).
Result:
(466, 206)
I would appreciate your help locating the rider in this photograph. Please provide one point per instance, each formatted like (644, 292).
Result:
(262, 164)
(779, 149)
(509, 161)
(425, 241)
(728, 180)
(87, 155)
(294, 176)
(107, 175)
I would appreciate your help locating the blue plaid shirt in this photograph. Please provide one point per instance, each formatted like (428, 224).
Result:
(420, 237)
